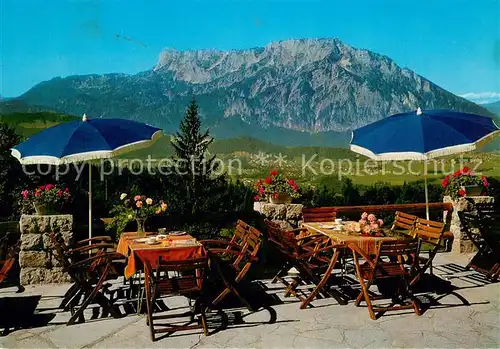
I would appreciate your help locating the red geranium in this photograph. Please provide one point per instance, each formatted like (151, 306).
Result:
(445, 181)
(485, 181)
(456, 185)
(274, 185)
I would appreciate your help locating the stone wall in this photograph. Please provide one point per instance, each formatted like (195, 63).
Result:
(36, 258)
(288, 216)
(461, 243)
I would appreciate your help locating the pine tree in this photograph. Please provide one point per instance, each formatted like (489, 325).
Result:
(12, 176)
(191, 161)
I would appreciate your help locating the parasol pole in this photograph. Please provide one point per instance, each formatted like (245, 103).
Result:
(90, 202)
(426, 191)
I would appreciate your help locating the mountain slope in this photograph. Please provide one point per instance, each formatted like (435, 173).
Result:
(493, 107)
(302, 85)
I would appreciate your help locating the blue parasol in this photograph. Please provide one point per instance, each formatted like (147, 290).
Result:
(423, 135)
(85, 140)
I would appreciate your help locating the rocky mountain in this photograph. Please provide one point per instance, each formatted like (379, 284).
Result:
(309, 85)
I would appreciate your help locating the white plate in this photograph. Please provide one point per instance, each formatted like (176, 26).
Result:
(153, 242)
(177, 233)
(327, 226)
(141, 240)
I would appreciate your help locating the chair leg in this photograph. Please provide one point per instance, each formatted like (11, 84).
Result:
(322, 283)
(282, 272)
(241, 298)
(73, 291)
(95, 294)
(203, 319)
(360, 297)
(221, 296)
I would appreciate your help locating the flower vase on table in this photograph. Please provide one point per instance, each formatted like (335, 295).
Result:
(138, 208)
(141, 227)
(370, 225)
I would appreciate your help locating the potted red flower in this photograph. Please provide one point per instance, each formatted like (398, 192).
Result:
(276, 188)
(464, 182)
(47, 199)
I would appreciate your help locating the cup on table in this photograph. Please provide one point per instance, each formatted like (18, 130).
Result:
(338, 220)
(162, 231)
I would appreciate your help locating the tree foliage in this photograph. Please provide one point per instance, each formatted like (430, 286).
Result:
(12, 176)
(192, 165)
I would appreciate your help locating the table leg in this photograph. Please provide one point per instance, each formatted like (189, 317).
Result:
(338, 297)
(140, 292)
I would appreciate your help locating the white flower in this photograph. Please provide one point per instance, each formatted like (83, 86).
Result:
(149, 201)
(123, 196)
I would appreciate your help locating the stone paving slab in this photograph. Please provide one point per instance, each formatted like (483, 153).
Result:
(447, 324)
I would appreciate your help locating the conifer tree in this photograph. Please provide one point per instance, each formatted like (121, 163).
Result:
(191, 161)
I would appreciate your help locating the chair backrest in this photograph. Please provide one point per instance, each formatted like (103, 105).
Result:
(249, 252)
(398, 248)
(482, 228)
(429, 231)
(470, 225)
(60, 248)
(404, 222)
(321, 214)
(285, 240)
(489, 220)
(240, 233)
(179, 276)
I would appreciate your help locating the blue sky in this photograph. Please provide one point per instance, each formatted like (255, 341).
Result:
(454, 43)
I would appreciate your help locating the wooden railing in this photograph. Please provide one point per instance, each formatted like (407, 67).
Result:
(409, 208)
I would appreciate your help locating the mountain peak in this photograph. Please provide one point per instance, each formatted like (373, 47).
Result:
(308, 85)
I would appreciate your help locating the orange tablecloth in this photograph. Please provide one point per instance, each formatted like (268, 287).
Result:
(367, 243)
(151, 253)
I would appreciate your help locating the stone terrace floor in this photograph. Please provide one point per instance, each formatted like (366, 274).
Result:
(447, 324)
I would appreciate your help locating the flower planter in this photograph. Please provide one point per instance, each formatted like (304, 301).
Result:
(43, 209)
(280, 198)
(473, 190)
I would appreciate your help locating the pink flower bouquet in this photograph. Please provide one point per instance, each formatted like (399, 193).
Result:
(369, 223)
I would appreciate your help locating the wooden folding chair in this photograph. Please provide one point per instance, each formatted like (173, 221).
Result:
(393, 273)
(477, 228)
(237, 241)
(88, 275)
(431, 235)
(321, 214)
(404, 224)
(81, 250)
(8, 255)
(240, 263)
(314, 257)
(176, 278)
